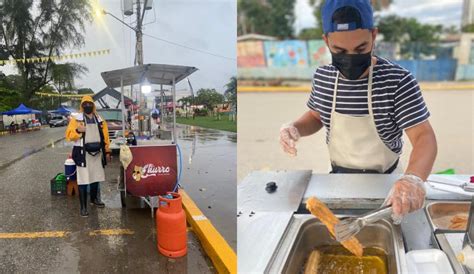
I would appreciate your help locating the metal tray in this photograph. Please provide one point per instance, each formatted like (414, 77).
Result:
(439, 214)
(306, 232)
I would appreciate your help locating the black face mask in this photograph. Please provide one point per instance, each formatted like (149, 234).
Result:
(88, 109)
(352, 66)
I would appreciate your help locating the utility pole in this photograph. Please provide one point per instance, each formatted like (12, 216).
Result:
(139, 34)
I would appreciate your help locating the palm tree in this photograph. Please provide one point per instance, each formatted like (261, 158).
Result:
(63, 75)
(231, 92)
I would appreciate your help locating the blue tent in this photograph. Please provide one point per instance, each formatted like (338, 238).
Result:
(20, 110)
(62, 110)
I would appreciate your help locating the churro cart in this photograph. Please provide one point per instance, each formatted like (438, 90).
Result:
(152, 169)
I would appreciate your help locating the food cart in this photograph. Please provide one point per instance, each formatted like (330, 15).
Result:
(295, 233)
(153, 169)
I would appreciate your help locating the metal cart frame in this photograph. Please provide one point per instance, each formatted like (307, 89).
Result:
(154, 74)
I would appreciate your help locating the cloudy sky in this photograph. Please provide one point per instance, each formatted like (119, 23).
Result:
(205, 25)
(446, 12)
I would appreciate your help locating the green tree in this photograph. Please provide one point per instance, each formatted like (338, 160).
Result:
(85, 91)
(268, 17)
(468, 28)
(46, 102)
(415, 39)
(63, 75)
(230, 92)
(10, 95)
(209, 98)
(32, 29)
(310, 34)
(188, 100)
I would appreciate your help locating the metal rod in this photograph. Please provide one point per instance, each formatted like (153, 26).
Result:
(174, 110)
(106, 12)
(123, 132)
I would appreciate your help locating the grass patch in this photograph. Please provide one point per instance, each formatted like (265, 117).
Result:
(209, 122)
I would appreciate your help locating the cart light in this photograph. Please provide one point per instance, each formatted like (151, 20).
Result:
(146, 87)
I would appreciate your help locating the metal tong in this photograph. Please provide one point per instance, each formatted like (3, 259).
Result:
(468, 187)
(350, 226)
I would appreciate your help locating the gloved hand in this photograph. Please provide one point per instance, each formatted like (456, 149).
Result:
(289, 135)
(406, 196)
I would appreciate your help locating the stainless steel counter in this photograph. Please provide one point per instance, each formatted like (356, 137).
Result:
(347, 192)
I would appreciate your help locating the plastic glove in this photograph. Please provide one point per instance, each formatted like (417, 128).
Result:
(289, 135)
(406, 196)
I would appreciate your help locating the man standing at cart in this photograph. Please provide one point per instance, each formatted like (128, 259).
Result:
(366, 103)
(91, 151)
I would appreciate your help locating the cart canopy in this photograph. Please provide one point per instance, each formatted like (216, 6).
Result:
(156, 74)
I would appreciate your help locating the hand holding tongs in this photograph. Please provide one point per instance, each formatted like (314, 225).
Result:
(350, 226)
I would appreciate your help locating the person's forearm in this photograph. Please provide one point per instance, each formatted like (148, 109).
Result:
(423, 156)
(308, 123)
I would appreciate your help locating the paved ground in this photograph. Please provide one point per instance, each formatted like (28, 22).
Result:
(262, 114)
(16, 146)
(26, 206)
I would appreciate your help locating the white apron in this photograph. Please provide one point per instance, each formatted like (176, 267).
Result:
(93, 171)
(354, 141)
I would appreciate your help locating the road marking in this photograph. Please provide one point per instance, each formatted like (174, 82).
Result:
(111, 232)
(33, 235)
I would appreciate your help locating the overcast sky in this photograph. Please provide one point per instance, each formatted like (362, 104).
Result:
(206, 25)
(445, 12)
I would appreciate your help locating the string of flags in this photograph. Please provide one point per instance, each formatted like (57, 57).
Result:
(55, 58)
(61, 95)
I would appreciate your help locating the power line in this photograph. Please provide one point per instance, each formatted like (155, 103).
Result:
(190, 48)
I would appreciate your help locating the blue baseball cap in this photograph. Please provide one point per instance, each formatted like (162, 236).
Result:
(347, 15)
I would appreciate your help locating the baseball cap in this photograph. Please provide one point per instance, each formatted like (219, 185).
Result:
(347, 15)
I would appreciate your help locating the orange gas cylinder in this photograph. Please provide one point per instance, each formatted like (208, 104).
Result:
(171, 226)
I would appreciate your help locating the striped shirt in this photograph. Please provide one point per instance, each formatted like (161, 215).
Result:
(397, 101)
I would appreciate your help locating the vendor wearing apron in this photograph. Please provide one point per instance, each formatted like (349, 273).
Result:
(89, 133)
(366, 103)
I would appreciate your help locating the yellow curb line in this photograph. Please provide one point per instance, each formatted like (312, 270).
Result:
(111, 232)
(221, 254)
(423, 87)
(33, 235)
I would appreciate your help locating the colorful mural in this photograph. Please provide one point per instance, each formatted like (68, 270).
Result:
(288, 53)
(250, 54)
(319, 54)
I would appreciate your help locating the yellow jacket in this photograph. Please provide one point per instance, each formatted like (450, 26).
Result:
(73, 136)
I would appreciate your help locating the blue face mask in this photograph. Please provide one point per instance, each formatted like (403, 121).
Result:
(352, 66)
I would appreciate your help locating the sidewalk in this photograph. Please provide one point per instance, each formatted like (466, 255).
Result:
(292, 86)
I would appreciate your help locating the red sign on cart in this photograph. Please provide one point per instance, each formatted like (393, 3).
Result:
(153, 170)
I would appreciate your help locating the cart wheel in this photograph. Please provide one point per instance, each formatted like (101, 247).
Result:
(121, 183)
(122, 199)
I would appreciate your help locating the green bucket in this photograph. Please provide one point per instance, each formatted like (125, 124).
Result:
(449, 171)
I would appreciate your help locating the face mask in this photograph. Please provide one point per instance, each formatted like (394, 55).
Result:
(88, 109)
(352, 66)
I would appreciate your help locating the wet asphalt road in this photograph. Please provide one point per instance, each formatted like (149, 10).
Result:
(26, 205)
(16, 146)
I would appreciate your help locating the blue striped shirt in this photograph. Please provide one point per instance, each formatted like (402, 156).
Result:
(397, 101)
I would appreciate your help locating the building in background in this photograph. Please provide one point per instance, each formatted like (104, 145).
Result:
(467, 13)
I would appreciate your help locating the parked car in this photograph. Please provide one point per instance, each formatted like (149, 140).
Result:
(113, 117)
(58, 121)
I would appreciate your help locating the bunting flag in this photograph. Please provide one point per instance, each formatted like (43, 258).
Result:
(55, 57)
(61, 95)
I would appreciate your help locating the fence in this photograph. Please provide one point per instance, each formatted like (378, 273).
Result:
(297, 59)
